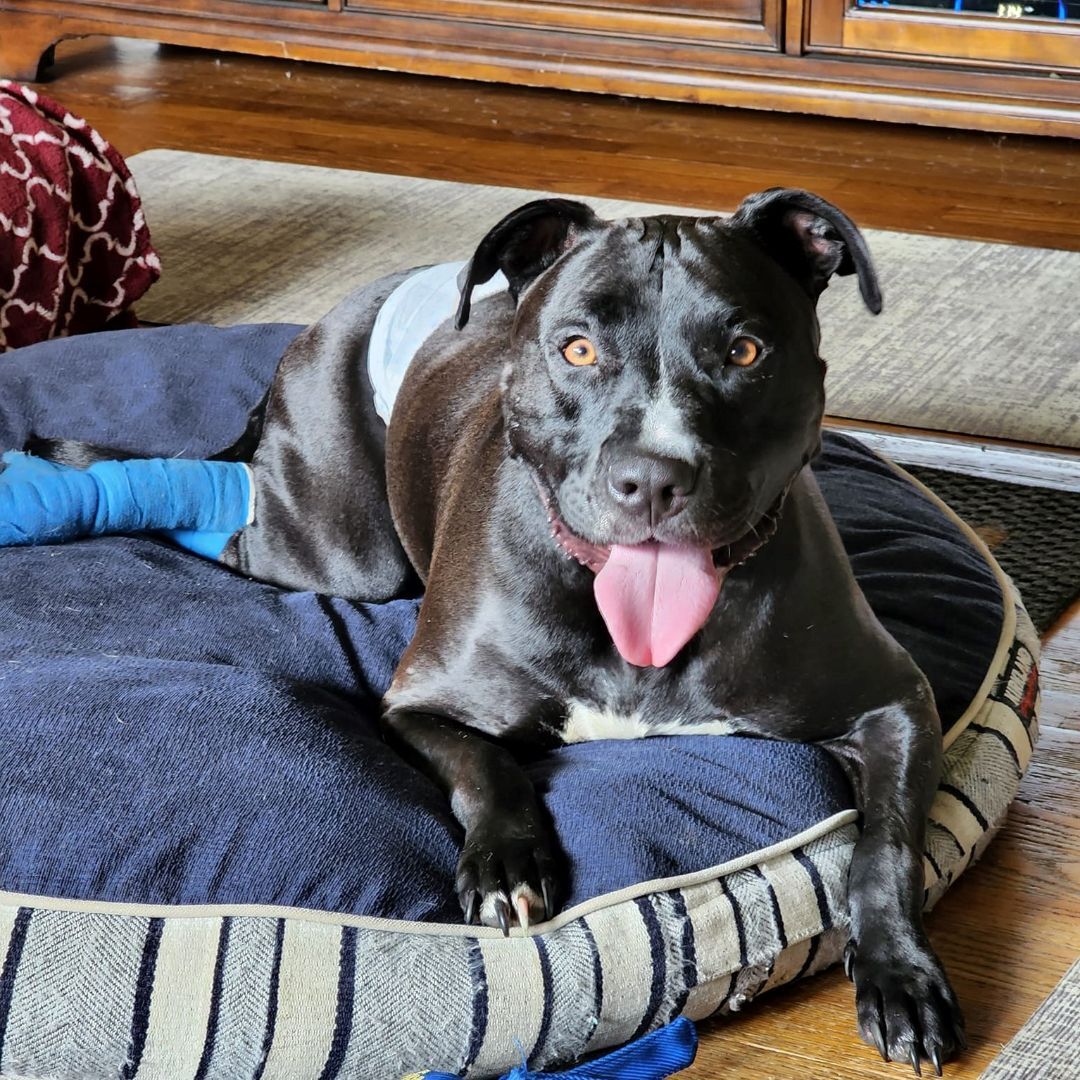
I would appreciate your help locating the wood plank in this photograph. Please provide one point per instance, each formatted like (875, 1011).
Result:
(1063, 705)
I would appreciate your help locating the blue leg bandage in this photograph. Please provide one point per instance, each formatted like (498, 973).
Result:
(199, 504)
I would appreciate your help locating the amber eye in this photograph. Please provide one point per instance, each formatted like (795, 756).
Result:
(580, 352)
(743, 352)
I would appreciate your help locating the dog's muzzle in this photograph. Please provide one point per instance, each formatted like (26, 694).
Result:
(653, 596)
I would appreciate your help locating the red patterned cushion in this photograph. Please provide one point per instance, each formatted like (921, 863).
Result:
(75, 251)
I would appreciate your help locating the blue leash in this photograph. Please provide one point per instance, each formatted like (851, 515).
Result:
(656, 1056)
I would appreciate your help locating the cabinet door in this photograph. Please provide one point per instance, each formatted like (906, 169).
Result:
(639, 30)
(1028, 34)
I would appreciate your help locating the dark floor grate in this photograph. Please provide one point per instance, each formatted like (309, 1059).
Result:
(1034, 533)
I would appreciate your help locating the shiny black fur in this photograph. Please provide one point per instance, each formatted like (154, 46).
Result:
(491, 418)
(493, 432)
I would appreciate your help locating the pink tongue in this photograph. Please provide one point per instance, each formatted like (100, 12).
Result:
(654, 598)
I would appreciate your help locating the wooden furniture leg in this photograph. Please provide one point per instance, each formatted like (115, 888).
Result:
(26, 45)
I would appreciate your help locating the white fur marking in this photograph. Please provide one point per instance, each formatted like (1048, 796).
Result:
(663, 428)
(489, 907)
(584, 723)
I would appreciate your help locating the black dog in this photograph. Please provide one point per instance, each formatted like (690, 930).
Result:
(580, 471)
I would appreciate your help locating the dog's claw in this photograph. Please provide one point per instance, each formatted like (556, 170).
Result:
(879, 1042)
(547, 888)
(522, 905)
(913, 1057)
(472, 906)
(935, 1059)
(849, 959)
(501, 878)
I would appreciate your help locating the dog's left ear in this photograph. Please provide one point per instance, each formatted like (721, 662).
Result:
(810, 238)
(524, 244)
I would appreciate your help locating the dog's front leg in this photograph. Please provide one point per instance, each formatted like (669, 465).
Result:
(509, 865)
(905, 1005)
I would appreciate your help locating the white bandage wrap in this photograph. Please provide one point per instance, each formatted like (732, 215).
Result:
(410, 315)
(251, 493)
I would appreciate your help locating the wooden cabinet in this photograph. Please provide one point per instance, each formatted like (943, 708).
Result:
(963, 36)
(574, 27)
(871, 59)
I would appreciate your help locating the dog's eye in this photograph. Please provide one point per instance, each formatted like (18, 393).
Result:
(743, 352)
(580, 352)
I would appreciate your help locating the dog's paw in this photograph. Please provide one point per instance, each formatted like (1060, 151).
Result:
(904, 1003)
(505, 877)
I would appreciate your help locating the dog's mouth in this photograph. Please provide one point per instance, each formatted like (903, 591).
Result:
(655, 596)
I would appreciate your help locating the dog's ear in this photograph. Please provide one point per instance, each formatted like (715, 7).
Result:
(810, 238)
(524, 244)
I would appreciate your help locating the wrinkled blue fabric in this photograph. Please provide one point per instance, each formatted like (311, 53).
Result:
(171, 732)
(42, 502)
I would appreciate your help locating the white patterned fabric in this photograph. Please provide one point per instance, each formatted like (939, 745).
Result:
(75, 251)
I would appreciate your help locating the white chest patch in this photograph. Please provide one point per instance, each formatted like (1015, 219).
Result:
(585, 723)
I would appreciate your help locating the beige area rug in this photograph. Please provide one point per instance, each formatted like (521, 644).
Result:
(1046, 1047)
(981, 339)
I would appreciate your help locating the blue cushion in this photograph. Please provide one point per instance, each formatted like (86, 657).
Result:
(173, 733)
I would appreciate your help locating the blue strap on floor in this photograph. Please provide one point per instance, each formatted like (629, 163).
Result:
(661, 1054)
(199, 503)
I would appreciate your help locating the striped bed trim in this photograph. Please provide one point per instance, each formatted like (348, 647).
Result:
(280, 995)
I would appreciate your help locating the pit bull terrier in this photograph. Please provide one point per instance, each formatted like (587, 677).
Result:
(599, 472)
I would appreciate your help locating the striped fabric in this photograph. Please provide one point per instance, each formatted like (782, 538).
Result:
(93, 991)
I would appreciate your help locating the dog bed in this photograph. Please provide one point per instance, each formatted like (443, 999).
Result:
(214, 867)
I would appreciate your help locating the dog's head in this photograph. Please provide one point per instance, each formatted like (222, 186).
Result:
(665, 386)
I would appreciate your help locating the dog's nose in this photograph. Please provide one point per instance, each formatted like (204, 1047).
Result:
(647, 484)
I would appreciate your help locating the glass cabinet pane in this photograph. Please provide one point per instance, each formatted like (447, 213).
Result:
(1058, 10)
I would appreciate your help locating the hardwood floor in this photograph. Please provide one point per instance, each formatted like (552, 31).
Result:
(1011, 926)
